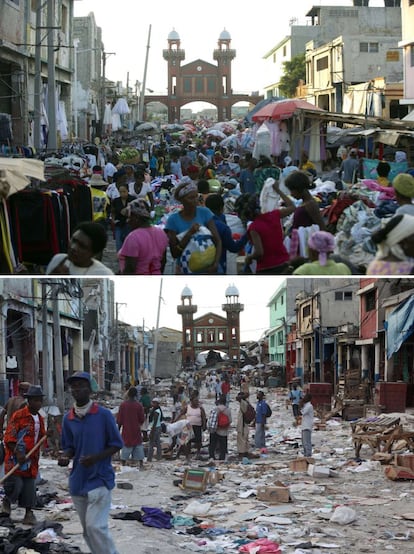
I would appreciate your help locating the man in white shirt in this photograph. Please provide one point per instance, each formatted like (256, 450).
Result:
(307, 425)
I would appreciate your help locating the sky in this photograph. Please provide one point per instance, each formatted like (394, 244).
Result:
(254, 28)
(137, 299)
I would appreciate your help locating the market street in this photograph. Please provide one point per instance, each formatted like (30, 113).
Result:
(229, 512)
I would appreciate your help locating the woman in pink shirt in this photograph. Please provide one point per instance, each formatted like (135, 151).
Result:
(144, 248)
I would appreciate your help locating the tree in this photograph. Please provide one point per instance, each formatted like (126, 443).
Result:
(294, 71)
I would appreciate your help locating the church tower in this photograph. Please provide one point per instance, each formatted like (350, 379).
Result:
(174, 56)
(233, 308)
(224, 55)
(187, 311)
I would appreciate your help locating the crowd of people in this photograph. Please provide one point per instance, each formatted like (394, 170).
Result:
(209, 209)
(91, 435)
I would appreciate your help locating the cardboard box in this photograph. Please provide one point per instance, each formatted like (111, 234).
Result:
(318, 471)
(406, 460)
(274, 494)
(195, 479)
(300, 464)
(396, 473)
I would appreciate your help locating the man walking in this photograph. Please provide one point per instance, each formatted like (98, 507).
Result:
(307, 425)
(130, 418)
(295, 396)
(262, 411)
(90, 436)
(24, 430)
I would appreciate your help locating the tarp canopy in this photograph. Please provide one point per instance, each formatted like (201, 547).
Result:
(400, 325)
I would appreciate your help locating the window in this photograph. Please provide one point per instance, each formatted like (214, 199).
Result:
(210, 335)
(187, 85)
(187, 337)
(369, 47)
(284, 51)
(280, 338)
(306, 311)
(199, 336)
(343, 295)
(221, 336)
(370, 302)
(322, 63)
(211, 84)
(199, 84)
(412, 54)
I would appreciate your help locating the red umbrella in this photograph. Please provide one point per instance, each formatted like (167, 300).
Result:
(283, 109)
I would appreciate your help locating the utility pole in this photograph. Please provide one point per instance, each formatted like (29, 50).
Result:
(47, 376)
(57, 348)
(51, 77)
(37, 77)
(117, 375)
(144, 80)
(157, 330)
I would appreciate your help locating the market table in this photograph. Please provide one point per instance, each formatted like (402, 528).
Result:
(379, 433)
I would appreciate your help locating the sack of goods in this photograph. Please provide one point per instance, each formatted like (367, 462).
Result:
(199, 253)
(223, 420)
(250, 414)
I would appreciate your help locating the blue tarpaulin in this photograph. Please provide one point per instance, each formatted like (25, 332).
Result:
(400, 325)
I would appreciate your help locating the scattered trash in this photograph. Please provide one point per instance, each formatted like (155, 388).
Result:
(343, 515)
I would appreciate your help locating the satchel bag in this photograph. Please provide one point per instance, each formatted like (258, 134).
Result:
(199, 253)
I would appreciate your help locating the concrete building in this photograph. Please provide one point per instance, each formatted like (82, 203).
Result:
(99, 331)
(407, 45)
(41, 334)
(348, 45)
(282, 314)
(356, 45)
(330, 308)
(88, 90)
(289, 47)
(30, 73)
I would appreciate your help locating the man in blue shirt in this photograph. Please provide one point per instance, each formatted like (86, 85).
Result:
(90, 437)
(261, 418)
(295, 396)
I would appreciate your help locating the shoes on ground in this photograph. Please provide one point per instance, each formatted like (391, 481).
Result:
(29, 518)
(5, 507)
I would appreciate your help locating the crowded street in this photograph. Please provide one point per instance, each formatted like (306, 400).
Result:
(230, 511)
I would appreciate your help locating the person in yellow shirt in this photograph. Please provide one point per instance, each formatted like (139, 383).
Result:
(383, 170)
(307, 165)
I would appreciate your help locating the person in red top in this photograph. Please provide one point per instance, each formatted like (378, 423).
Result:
(129, 419)
(25, 428)
(266, 233)
(225, 388)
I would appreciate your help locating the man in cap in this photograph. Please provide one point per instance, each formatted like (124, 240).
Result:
(24, 430)
(90, 437)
